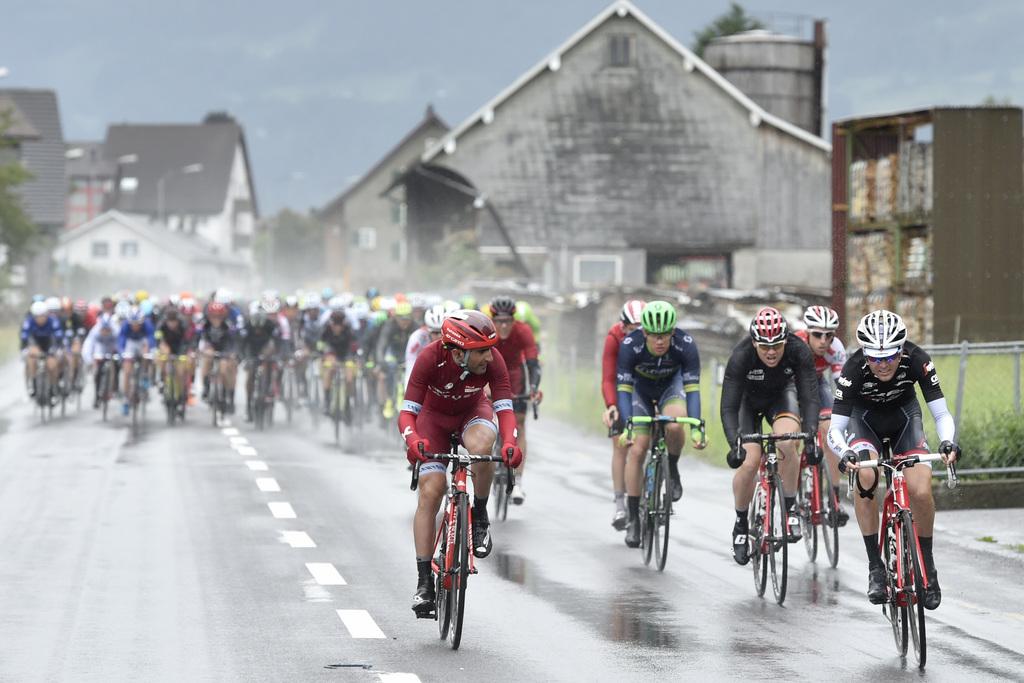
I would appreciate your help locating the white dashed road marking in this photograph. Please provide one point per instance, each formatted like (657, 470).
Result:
(297, 539)
(238, 441)
(229, 431)
(399, 678)
(268, 484)
(360, 624)
(325, 574)
(282, 510)
(256, 465)
(246, 451)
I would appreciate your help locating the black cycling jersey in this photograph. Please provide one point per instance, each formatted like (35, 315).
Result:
(339, 344)
(176, 338)
(393, 340)
(748, 379)
(857, 386)
(222, 338)
(257, 337)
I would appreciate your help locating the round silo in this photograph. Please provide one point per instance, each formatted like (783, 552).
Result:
(780, 73)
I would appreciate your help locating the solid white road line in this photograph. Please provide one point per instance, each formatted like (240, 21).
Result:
(360, 624)
(229, 431)
(256, 465)
(238, 441)
(281, 510)
(268, 484)
(297, 539)
(325, 574)
(398, 678)
(246, 451)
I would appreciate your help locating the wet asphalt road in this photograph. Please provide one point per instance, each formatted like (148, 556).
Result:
(161, 559)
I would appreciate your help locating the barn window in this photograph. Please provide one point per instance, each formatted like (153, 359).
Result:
(592, 270)
(129, 249)
(100, 249)
(621, 49)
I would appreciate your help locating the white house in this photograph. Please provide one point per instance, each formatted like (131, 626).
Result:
(116, 251)
(193, 179)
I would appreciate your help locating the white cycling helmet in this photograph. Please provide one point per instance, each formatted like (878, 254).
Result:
(223, 296)
(270, 306)
(336, 303)
(52, 304)
(631, 311)
(38, 308)
(881, 333)
(361, 310)
(254, 307)
(821, 318)
(434, 316)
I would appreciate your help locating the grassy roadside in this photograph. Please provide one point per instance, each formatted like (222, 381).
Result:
(8, 342)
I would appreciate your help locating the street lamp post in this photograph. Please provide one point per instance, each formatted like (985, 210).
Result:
(184, 170)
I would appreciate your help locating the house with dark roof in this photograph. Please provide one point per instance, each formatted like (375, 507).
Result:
(116, 250)
(365, 241)
(192, 179)
(622, 158)
(39, 147)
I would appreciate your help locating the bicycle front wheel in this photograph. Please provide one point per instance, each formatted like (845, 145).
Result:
(829, 515)
(757, 513)
(807, 506)
(499, 494)
(660, 515)
(460, 574)
(442, 582)
(913, 587)
(778, 539)
(895, 611)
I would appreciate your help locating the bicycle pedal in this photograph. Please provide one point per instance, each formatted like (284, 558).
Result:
(432, 614)
(473, 571)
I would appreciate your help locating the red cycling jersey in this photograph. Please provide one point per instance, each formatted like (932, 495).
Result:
(609, 361)
(518, 347)
(438, 385)
(835, 357)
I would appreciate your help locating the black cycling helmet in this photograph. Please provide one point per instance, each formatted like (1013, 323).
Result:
(503, 305)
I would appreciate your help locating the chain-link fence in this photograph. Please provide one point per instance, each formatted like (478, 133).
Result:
(982, 384)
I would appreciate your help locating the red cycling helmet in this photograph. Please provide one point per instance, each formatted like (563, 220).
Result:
(468, 330)
(217, 308)
(768, 326)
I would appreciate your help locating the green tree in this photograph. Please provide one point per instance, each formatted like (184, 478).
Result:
(993, 101)
(289, 249)
(736, 20)
(16, 228)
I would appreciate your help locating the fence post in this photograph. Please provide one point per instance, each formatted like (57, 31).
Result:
(572, 376)
(1016, 380)
(960, 382)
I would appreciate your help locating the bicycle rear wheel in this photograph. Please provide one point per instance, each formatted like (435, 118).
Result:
(756, 514)
(829, 515)
(913, 587)
(460, 576)
(660, 515)
(896, 612)
(806, 506)
(779, 540)
(444, 616)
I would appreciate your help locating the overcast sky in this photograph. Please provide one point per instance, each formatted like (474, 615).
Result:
(325, 88)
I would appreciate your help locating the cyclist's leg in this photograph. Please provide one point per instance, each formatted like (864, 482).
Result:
(619, 452)
(521, 439)
(478, 437)
(76, 356)
(329, 359)
(743, 480)
(31, 361)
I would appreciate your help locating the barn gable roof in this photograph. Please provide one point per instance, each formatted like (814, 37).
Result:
(757, 115)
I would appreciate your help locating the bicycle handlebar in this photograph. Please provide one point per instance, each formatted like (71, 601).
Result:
(910, 461)
(772, 438)
(463, 460)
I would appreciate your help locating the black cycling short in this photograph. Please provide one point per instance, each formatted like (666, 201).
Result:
(784, 405)
(900, 424)
(519, 405)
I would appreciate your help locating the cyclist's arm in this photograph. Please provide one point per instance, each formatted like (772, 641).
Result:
(690, 370)
(122, 338)
(531, 354)
(807, 387)
(501, 395)
(847, 385)
(732, 396)
(25, 329)
(624, 380)
(609, 363)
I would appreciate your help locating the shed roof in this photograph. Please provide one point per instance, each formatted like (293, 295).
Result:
(42, 155)
(155, 151)
(624, 8)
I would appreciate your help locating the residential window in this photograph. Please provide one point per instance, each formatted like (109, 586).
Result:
(100, 249)
(129, 184)
(621, 48)
(365, 238)
(129, 249)
(589, 270)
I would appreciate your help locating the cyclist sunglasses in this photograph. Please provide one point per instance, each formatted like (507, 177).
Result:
(887, 359)
(502, 320)
(823, 335)
(771, 347)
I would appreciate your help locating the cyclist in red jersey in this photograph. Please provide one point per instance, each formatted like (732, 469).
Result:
(445, 396)
(517, 346)
(629, 321)
(829, 354)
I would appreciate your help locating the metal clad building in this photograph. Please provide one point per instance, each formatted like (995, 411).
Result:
(622, 153)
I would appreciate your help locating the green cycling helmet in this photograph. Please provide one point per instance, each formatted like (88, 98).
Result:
(658, 317)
